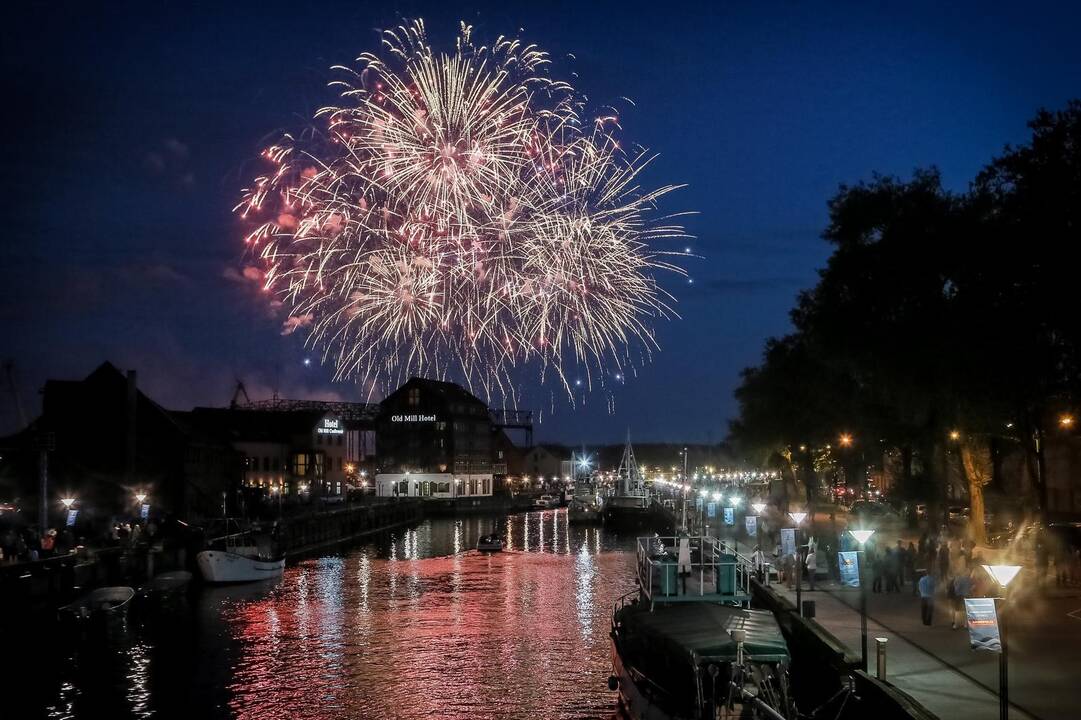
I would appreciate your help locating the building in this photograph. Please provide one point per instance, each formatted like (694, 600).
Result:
(295, 450)
(435, 440)
(110, 450)
(544, 463)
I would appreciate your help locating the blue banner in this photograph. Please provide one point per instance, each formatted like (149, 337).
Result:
(849, 564)
(711, 510)
(72, 514)
(145, 512)
(982, 624)
(788, 541)
(752, 525)
(729, 516)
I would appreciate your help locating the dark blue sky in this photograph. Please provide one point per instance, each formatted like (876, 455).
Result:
(132, 128)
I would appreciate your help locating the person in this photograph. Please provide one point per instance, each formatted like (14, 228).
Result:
(962, 588)
(877, 569)
(684, 559)
(927, 598)
(943, 562)
(758, 562)
(812, 566)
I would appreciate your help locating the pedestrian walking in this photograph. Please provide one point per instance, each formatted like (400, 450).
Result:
(878, 563)
(942, 565)
(927, 598)
(812, 566)
(758, 562)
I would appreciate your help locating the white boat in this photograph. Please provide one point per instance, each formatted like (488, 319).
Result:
(240, 558)
(544, 502)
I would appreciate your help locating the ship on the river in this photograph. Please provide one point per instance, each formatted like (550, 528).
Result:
(686, 645)
(629, 504)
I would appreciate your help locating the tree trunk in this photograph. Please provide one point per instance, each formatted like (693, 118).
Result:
(977, 467)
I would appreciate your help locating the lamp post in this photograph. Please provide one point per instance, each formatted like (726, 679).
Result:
(798, 517)
(862, 536)
(1003, 575)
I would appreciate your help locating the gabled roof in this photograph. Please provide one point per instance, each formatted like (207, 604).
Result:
(450, 392)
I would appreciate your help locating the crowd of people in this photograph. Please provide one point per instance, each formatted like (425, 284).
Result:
(27, 544)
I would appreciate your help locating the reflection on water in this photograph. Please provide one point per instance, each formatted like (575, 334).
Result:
(417, 625)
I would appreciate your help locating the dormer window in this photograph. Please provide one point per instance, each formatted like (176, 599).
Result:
(414, 397)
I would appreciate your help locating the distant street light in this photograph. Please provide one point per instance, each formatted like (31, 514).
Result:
(1066, 421)
(1003, 575)
(758, 507)
(845, 440)
(862, 536)
(955, 435)
(67, 502)
(140, 497)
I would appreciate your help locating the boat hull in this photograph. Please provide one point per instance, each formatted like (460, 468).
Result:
(219, 566)
(634, 703)
(583, 515)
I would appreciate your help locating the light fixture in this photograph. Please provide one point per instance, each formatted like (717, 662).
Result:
(68, 502)
(862, 536)
(758, 507)
(845, 439)
(1002, 574)
(1066, 420)
(797, 517)
(140, 497)
(717, 496)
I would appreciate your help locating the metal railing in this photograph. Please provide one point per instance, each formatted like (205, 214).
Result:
(713, 571)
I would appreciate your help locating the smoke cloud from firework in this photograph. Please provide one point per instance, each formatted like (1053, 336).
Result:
(457, 215)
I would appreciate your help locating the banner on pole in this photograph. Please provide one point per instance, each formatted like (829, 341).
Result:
(849, 563)
(982, 624)
(729, 516)
(752, 525)
(788, 541)
(145, 512)
(711, 510)
(72, 514)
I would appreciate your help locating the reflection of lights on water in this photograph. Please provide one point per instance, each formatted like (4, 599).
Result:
(364, 579)
(138, 692)
(584, 571)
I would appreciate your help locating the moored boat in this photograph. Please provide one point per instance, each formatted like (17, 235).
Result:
(105, 603)
(685, 646)
(629, 505)
(490, 543)
(241, 557)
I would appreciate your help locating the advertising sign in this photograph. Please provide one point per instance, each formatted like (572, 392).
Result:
(752, 525)
(788, 541)
(72, 514)
(711, 510)
(729, 516)
(982, 624)
(849, 563)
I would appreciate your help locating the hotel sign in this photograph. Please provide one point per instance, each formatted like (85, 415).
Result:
(330, 427)
(414, 418)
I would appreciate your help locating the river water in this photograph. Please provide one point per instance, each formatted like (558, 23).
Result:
(416, 624)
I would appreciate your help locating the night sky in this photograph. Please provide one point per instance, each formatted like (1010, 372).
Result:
(131, 129)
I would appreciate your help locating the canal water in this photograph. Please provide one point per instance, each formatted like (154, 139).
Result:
(416, 624)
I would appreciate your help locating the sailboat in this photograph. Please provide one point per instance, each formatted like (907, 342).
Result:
(630, 503)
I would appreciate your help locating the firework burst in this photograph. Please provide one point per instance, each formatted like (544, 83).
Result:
(455, 216)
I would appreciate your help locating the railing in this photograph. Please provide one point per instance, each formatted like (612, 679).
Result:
(714, 571)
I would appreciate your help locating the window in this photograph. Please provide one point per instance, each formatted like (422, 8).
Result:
(414, 397)
(300, 463)
(320, 470)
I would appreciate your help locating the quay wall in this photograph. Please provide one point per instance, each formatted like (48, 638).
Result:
(305, 534)
(822, 667)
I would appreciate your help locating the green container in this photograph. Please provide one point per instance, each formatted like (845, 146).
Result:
(669, 577)
(726, 575)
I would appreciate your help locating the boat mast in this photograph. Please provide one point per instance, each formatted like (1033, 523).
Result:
(628, 469)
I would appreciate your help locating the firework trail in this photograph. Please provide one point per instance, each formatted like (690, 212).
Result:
(456, 216)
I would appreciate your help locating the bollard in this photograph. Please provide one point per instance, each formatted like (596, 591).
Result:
(880, 647)
(808, 609)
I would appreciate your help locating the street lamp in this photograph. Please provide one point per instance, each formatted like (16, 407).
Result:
(67, 502)
(862, 536)
(798, 517)
(140, 497)
(1066, 421)
(758, 507)
(845, 440)
(1003, 575)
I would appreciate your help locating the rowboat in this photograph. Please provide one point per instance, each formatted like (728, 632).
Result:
(106, 603)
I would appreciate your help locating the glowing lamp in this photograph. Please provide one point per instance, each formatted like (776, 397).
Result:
(1002, 574)
(862, 536)
(735, 501)
(798, 517)
(758, 507)
(717, 496)
(139, 496)
(68, 502)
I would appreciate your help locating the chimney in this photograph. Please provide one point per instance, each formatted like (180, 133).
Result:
(129, 426)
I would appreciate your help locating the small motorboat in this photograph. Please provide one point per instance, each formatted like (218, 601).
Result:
(490, 543)
(106, 603)
(545, 502)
